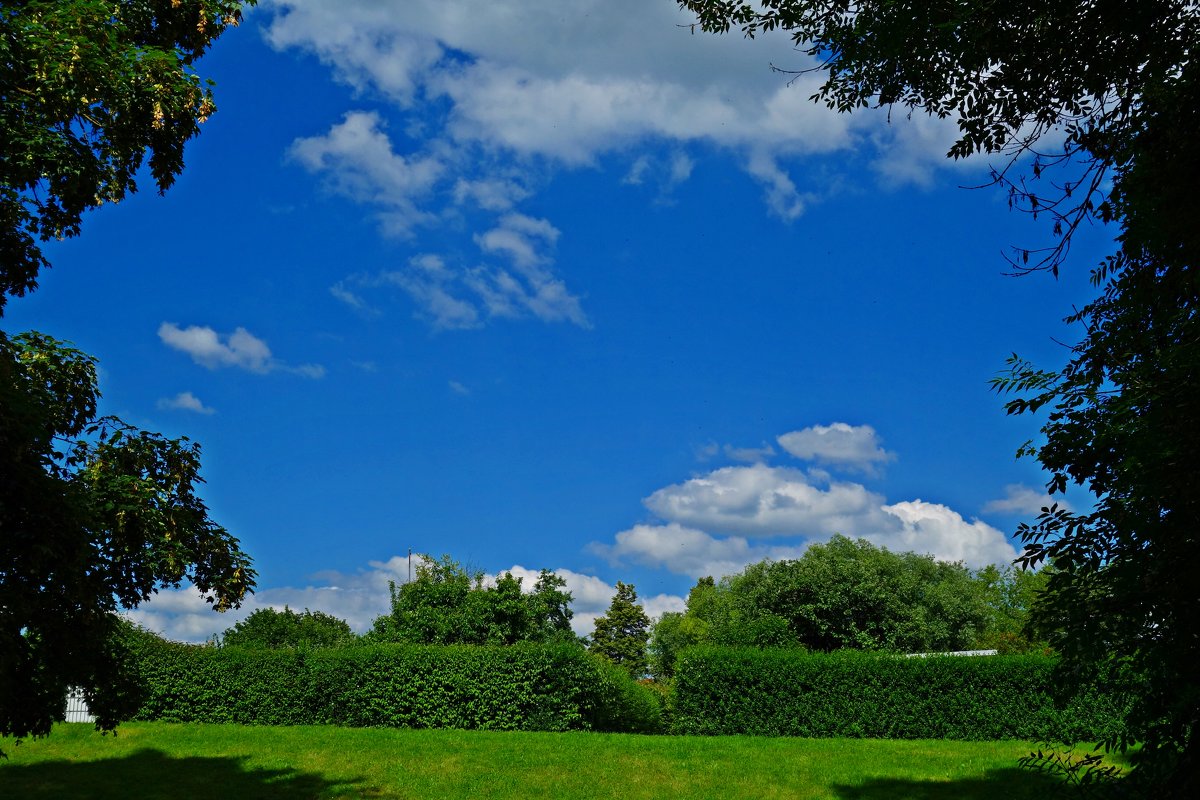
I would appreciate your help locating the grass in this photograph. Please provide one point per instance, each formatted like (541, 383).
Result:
(160, 760)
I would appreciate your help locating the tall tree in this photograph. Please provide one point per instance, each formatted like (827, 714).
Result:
(622, 632)
(1105, 97)
(94, 514)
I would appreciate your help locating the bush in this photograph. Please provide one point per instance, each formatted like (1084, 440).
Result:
(526, 687)
(854, 694)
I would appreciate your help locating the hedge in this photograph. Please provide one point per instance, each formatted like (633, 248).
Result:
(534, 687)
(855, 694)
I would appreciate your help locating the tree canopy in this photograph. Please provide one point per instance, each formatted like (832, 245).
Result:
(850, 594)
(95, 515)
(268, 629)
(1093, 108)
(448, 604)
(89, 89)
(1095, 77)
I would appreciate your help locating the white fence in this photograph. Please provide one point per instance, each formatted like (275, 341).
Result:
(77, 709)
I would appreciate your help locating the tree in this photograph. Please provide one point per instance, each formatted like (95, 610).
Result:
(673, 632)
(94, 516)
(1010, 594)
(841, 594)
(551, 609)
(89, 88)
(268, 629)
(621, 634)
(1116, 86)
(447, 604)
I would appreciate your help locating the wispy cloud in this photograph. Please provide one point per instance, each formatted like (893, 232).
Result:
(1021, 499)
(498, 98)
(185, 401)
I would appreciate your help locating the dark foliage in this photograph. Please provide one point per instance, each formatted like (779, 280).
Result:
(523, 687)
(793, 693)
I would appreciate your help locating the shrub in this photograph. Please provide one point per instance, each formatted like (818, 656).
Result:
(854, 694)
(526, 687)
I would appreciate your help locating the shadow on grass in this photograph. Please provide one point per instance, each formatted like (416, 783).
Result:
(998, 784)
(151, 774)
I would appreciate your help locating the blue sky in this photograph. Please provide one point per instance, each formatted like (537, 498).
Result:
(540, 286)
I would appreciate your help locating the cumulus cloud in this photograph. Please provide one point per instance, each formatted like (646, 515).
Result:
(240, 349)
(715, 523)
(934, 528)
(765, 501)
(687, 551)
(839, 444)
(1021, 499)
(185, 401)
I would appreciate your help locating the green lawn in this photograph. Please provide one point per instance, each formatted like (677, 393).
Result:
(159, 760)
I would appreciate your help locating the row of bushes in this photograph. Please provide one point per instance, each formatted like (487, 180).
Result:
(855, 694)
(534, 687)
(562, 687)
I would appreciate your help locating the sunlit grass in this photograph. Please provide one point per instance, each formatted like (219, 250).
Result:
(159, 760)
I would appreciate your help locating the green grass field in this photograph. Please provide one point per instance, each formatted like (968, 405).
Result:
(159, 760)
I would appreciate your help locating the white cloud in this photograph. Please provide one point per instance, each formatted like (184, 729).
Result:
(1021, 499)
(490, 194)
(687, 551)
(185, 401)
(941, 531)
(356, 159)
(528, 78)
(454, 297)
(434, 286)
(708, 523)
(494, 95)
(783, 199)
(765, 501)
(342, 292)
(240, 349)
(519, 238)
(839, 444)
(358, 597)
(637, 171)
(459, 388)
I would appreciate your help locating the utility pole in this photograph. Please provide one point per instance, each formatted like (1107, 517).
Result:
(410, 565)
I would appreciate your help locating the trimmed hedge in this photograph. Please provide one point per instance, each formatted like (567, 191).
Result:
(534, 687)
(870, 695)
